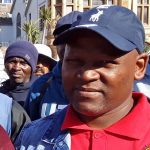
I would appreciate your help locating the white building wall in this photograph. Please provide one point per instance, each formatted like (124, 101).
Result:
(18, 8)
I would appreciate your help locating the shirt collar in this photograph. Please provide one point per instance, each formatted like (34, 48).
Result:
(72, 121)
(134, 125)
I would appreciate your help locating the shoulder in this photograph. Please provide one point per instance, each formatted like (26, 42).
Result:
(41, 80)
(46, 121)
(19, 119)
(5, 97)
(6, 101)
(18, 109)
(4, 87)
(40, 126)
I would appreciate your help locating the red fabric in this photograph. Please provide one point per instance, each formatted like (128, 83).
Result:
(130, 133)
(5, 142)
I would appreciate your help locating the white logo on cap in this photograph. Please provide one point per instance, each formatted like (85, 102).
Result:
(95, 17)
(27, 57)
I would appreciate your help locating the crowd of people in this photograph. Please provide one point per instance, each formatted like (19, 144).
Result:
(96, 96)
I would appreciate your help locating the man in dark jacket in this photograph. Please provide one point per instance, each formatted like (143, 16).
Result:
(46, 95)
(20, 62)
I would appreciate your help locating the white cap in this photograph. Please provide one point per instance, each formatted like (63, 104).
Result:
(44, 50)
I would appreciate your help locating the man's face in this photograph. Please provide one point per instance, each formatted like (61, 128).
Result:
(18, 70)
(43, 66)
(97, 77)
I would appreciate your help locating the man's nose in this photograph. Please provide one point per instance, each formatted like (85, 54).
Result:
(39, 65)
(17, 66)
(88, 75)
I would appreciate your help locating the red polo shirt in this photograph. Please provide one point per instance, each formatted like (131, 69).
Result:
(130, 133)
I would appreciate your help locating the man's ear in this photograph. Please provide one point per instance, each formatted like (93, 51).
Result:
(141, 65)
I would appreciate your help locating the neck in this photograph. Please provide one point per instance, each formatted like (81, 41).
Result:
(105, 120)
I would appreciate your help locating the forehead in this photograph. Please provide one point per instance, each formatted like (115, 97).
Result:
(91, 42)
(16, 59)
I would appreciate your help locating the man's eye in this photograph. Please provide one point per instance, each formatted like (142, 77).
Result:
(23, 63)
(74, 61)
(104, 63)
(70, 60)
(11, 62)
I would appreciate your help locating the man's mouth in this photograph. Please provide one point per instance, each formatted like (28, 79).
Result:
(16, 75)
(39, 70)
(87, 89)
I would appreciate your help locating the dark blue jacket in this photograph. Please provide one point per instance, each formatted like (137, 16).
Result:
(45, 134)
(53, 97)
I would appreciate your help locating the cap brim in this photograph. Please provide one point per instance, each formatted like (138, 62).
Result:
(117, 40)
(50, 58)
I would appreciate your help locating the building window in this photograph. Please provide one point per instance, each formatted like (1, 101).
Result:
(58, 7)
(94, 3)
(58, 1)
(143, 11)
(29, 16)
(102, 2)
(41, 23)
(18, 25)
(7, 1)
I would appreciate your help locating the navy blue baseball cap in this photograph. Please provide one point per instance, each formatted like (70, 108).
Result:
(65, 22)
(119, 25)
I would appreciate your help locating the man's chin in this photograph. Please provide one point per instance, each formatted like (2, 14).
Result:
(18, 81)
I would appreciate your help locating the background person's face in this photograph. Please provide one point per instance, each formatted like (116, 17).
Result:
(18, 70)
(96, 77)
(44, 65)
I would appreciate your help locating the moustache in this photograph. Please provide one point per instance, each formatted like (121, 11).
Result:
(39, 70)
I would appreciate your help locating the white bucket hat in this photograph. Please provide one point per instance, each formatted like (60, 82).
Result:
(44, 50)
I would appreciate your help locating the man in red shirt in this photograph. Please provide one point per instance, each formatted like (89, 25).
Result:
(103, 57)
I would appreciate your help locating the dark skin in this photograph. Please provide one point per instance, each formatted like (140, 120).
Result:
(98, 78)
(60, 50)
(18, 70)
(44, 65)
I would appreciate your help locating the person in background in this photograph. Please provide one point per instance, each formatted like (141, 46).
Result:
(20, 62)
(46, 94)
(5, 142)
(3, 74)
(12, 116)
(45, 62)
(143, 85)
(103, 56)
